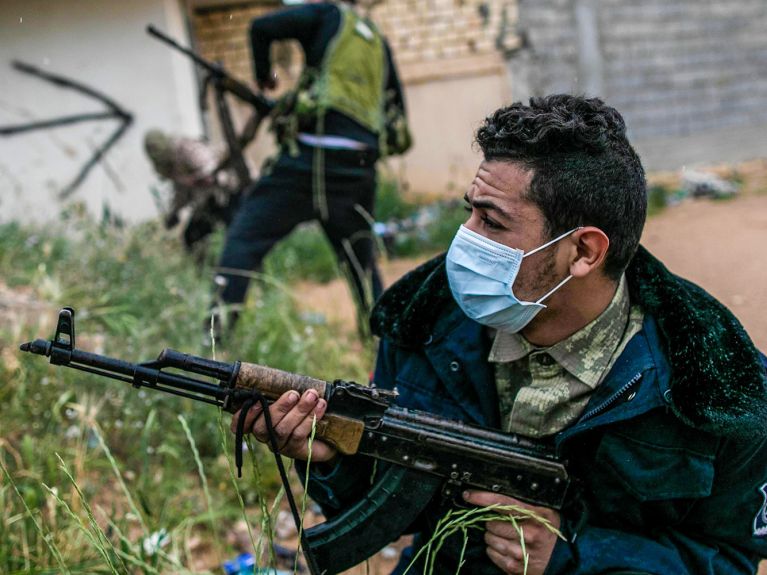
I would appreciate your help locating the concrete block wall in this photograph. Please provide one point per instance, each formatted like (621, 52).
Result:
(680, 71)
(686, 66)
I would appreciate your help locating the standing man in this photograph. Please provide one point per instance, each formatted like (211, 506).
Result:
(345, 113)
(546, 319)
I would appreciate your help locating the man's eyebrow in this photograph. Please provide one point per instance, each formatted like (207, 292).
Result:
(487, 205)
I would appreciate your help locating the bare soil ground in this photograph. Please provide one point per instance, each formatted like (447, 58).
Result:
(721, 246)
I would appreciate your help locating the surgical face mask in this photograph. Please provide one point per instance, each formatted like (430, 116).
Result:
(481, 274)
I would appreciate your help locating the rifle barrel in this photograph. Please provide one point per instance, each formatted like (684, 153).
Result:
(239, 89)
(151, 30)
(137, 374)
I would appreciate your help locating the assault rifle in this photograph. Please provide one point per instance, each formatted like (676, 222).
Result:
(428, 453)
(217, 73)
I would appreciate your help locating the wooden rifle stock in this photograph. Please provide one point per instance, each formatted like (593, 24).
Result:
(343, 433)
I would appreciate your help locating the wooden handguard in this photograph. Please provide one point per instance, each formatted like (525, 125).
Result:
(343, 433)
(272, 383)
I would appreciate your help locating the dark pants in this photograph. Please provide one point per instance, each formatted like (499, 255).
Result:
(283, 197)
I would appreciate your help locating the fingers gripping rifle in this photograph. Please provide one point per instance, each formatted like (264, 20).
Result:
(427, 454)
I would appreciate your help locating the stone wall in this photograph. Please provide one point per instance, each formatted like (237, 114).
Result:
(678, 70)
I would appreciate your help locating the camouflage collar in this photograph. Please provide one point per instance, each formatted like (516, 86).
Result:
(604, 334)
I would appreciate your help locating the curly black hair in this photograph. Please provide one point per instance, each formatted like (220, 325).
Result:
(585, 171)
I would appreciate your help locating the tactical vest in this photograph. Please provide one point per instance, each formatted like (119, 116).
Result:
(351, 77)
(350, 80)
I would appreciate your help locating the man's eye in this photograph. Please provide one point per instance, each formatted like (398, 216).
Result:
(491, 224)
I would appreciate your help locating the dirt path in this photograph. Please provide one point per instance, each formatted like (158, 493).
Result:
(720, 245)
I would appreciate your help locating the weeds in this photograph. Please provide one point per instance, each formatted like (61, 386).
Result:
(462, 520)
(96, 476)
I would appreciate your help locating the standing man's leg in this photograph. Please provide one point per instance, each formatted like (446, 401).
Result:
(276, 204)
(351, 186)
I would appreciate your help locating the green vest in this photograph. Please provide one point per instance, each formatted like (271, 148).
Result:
(351, 77)
(350, 80)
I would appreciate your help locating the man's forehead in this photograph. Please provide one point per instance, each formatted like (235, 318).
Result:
(501, 186)
(504, 174)
(501, 182)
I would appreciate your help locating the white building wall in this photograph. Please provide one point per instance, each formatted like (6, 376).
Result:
(103, 44)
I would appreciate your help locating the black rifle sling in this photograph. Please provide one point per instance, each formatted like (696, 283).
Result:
(391, 505)
(250, 402)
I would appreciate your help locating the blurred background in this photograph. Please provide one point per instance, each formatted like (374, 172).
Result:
(687, 76)
(100, 478)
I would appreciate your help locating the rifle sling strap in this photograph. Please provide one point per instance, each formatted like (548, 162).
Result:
(257, 397)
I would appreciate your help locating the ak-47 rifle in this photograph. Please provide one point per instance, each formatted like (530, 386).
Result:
(428, 453)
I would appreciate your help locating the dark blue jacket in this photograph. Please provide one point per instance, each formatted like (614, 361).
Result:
(670, 456)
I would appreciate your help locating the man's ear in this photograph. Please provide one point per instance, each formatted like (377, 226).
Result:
(589, 251)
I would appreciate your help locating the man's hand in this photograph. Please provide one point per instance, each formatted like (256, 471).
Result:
(292, 420)
(267, 83)
(503, 545)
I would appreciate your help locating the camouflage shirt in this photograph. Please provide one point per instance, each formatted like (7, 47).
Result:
(543, 390)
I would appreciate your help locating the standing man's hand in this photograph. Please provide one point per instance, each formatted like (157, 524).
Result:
(503, 544)
(292, 417)
(268, 83)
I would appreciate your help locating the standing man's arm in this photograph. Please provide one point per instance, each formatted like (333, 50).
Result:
(393, 84)
(300, 23)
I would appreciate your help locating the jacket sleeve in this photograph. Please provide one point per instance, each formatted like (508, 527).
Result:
(720, 534)
(393, 84)
(299, 23)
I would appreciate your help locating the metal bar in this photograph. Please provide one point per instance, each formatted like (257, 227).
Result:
(96, 157)
(56, 122)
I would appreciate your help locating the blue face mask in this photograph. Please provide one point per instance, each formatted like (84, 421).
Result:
(481, 274)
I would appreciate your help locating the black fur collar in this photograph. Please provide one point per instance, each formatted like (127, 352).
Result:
(718, 379)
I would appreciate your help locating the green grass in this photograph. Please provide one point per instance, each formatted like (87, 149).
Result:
(92, 467)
